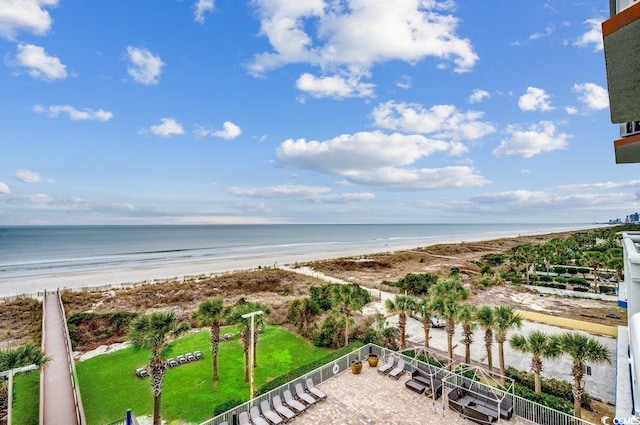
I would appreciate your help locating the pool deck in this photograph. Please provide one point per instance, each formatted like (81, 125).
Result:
(371, 398)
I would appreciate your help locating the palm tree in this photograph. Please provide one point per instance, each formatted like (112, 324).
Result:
(485, 319)
(302, 312)
(210, 313)
(15, 357)
(24, 355)
(505, 318)
(425, 307)
(582, 349)
(541, 346)
(347, 299)
(447, 295)
(403, 305)
(155, 331)
(235, 316)
(467, 318)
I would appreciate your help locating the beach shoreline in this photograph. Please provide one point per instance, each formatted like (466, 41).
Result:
(31, 285)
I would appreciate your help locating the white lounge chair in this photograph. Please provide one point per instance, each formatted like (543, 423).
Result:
(292, 402)
(282, 409)
(256, 418)
(243, 418)
(303, 395)
(399, 370)
(271, 416)
(386, 368)
(315, 391)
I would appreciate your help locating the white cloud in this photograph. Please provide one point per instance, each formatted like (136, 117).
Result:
(353, 36)
(479, 95)
(145, 68)
(378, 159)
(442, 121)
(593, 36)
(201, 7)
(592, 95)
(254, 207)
(603, 186)
(535, 99)
(538, 138)
(404, 82)
(311, 193)
(336, 86)
(571, 110)
(28, 176)
(167, 128)
(74, 114)
(364, 150)
(229, 131)
(39, 64)
(4, 189)
(401, 179)
(25, 15)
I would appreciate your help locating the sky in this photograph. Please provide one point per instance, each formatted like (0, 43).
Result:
(307, 111)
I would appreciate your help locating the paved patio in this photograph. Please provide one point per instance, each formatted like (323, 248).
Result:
(371, 398)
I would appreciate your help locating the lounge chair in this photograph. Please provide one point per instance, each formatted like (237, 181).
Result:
(243, 418)
(315, 391)
(303, 395)
(190, 357)
(386, 368)
(271, 416)
(293, 403)
(282, 409)
(256, 418)
(399, 370)
(142, 372)
(172, 363)
(181, 359)
(198, 355)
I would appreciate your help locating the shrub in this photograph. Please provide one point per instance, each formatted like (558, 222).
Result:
(546, 278)
(607, 289)
(578, 281)
(550, 386)
(295, 373)
(581, 289)
(226, 405)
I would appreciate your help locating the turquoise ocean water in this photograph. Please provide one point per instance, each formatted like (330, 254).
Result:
(37, 250)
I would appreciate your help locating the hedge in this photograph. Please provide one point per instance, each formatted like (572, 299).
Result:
(295, 373)
(550, 386)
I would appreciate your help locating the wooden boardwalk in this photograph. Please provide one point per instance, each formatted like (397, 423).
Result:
(57, 394)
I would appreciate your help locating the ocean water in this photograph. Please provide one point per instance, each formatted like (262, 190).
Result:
(36, 250)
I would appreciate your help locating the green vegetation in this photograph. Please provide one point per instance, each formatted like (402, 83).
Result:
(26, 398)
(109, 386)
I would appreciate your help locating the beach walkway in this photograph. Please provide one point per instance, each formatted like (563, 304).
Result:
(59, 401)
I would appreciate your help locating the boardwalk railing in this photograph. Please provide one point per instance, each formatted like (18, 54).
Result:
(72, 366)
(523, 408)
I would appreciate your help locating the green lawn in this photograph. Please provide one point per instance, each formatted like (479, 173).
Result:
(109, 386)
(26, 396)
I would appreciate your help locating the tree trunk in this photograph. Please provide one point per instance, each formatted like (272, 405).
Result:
(501, 339)
(346, 330)
(467, 353)
(577, 399)
(215, 343)
(536, 365)
(427, 329)
(402, 324)
(488, 342)
(247, 343)
(156, 409)
(451, 329)
(255, 346)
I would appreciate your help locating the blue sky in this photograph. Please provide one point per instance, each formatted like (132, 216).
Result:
(306, 111)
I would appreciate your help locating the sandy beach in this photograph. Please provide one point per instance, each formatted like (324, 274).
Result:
(35, 283)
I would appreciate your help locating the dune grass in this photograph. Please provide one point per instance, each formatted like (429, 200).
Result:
(109, 386)
(26, 396)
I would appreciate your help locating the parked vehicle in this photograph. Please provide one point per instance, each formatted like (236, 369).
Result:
(437, 322)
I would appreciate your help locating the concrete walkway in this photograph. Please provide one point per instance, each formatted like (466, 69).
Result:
(57, 405)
